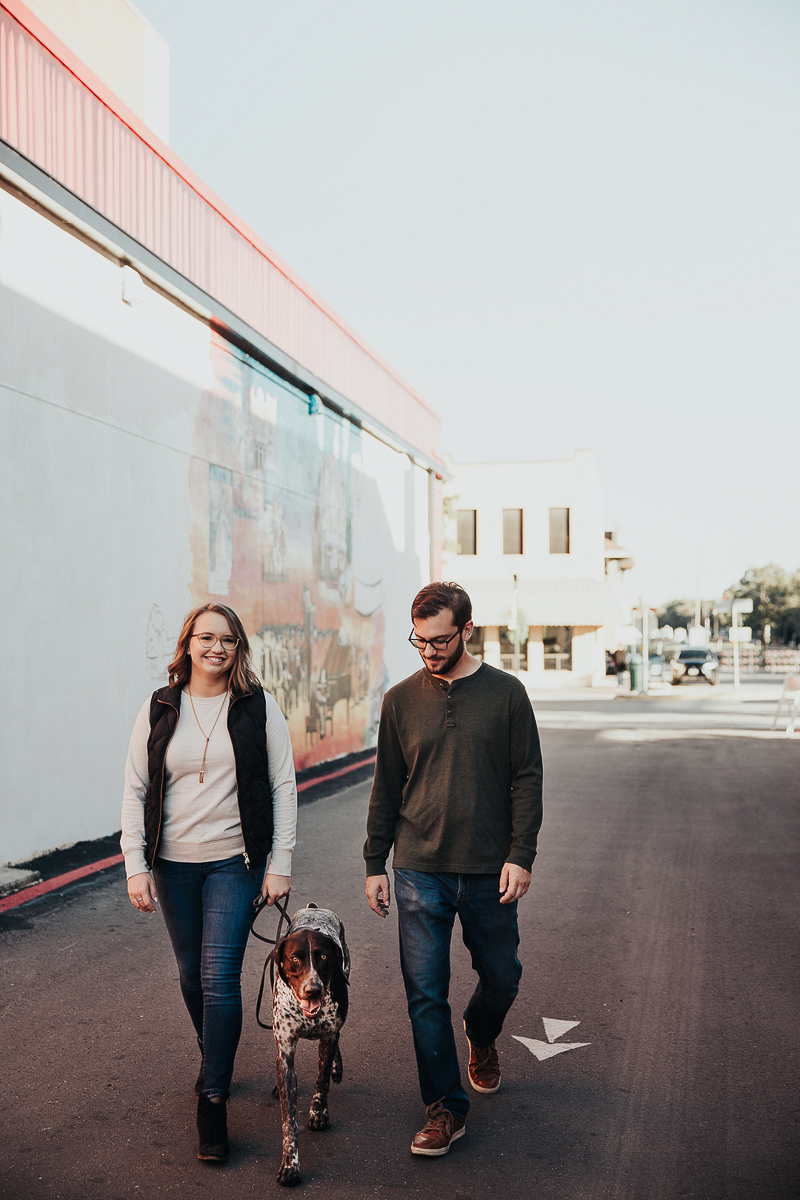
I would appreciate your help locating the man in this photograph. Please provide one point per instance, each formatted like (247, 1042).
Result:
(458, 793)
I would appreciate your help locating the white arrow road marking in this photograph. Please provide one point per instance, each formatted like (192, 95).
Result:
(544, 1050)
(555, 1029)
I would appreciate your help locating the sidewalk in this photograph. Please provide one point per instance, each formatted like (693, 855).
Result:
(696, 707)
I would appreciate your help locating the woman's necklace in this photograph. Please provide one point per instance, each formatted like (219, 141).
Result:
(200, 727)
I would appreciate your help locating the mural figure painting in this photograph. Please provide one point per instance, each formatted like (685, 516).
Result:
(291, 525)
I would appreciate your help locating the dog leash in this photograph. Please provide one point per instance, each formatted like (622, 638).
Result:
(269, 961)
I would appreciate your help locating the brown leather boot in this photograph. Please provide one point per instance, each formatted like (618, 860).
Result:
(441, 1129)
(484, 1068)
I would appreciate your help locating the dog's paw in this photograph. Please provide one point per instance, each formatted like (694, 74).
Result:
(318, 1119)
(289, 1174)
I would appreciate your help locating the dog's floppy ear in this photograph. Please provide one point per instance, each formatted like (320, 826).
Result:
(278, 959)
(340, 990)
(344, 954)
(340, 978)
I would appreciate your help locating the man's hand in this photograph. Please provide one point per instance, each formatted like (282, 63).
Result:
(275, 887)
(514, 883)
(378, 894)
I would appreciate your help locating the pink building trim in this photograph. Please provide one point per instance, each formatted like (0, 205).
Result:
(56, 113)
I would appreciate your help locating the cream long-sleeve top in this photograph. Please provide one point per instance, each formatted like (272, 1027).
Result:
(200, 821)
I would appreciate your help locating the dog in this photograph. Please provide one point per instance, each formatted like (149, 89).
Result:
(312, 974)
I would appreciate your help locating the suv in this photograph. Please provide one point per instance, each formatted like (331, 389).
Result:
(695, 663)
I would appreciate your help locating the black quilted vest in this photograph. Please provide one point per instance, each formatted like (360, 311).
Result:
(247, 725)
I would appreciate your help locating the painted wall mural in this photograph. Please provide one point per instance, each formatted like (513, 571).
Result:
(150, 467)
(292, 525)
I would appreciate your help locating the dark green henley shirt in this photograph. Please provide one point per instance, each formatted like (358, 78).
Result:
(458, 776)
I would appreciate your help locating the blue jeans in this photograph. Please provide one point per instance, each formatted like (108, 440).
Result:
(427, 905)
(208, 908)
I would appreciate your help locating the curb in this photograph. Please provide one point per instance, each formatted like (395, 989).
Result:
(316, 780)
(58, 881)
(14, 879)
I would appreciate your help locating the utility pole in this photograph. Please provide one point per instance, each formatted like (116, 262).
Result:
(735, 637)
(515, 625)
(645, 647)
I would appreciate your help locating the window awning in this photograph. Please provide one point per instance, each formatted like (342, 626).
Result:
(546, 601)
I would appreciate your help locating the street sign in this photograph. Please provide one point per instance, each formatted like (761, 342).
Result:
(740, 633)
(743, 605)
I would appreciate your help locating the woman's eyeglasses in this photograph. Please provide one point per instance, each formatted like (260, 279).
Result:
(207, 640)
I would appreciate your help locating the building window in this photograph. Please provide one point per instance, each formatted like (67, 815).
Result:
(557, 641)
(466, 531)
(559, 531)
(259, 456)
(512, 531)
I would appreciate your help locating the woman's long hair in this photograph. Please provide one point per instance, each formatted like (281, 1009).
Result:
(242, 679)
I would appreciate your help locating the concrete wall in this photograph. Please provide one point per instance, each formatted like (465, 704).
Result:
(149, 466)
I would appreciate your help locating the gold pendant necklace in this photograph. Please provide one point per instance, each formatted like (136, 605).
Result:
(200, 727)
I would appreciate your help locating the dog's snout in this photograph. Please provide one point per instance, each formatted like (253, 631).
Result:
(312, 986)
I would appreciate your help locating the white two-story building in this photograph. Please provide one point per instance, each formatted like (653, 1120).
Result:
(527, 541)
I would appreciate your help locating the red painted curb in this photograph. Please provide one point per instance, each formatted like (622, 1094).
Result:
(52, 885)
(365, 762)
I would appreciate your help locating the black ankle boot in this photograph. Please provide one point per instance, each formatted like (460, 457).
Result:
(212, 1126)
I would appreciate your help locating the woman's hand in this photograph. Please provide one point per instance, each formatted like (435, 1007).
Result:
(142, 891)
(275, 887)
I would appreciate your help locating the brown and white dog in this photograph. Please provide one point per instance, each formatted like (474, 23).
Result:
(312, 972)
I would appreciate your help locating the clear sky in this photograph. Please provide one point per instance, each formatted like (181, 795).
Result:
(568, 223)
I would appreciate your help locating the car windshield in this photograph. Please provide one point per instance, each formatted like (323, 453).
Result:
(694, 655)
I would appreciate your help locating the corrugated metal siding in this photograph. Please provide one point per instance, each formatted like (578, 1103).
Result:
(52, 118)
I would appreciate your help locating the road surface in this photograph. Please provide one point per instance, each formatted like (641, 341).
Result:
(662, 922)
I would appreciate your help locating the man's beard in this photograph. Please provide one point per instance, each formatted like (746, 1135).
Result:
(442, 668)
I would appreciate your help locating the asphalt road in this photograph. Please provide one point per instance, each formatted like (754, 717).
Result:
(662, 917)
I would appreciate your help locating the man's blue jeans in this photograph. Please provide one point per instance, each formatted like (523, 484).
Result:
(427, 905)
(208, 908)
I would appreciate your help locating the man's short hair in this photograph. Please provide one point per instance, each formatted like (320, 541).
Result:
(435, 597)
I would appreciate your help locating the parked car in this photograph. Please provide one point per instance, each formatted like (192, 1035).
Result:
(695, 664)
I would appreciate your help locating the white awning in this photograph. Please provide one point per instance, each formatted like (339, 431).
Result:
(546, 601)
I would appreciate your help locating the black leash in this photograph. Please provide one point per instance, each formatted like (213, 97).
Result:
(269, 961)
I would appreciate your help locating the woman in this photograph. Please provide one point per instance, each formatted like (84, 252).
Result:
(201, 840)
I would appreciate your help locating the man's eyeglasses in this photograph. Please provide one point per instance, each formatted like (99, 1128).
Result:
(438, 643)
(207, 640)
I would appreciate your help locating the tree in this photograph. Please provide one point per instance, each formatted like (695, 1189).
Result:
(677, 614)
(776, 602)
